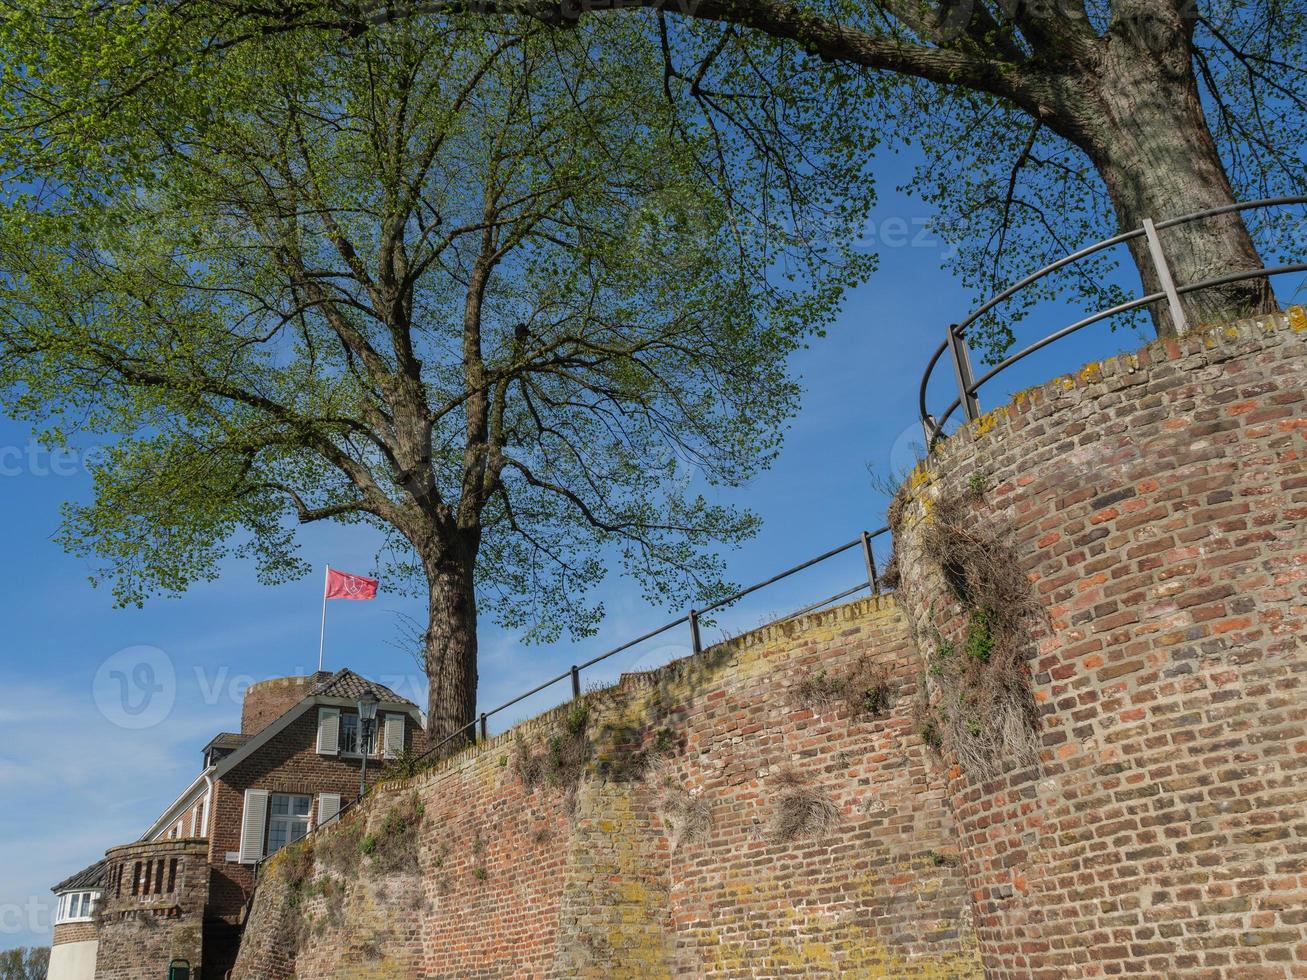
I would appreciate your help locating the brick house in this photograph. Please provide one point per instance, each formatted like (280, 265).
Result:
(179, 892)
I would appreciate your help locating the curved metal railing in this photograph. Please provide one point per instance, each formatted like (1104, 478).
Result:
(955, 339)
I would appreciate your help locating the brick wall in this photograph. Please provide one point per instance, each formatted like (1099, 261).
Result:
(1159, 506)
(266, 701)
(518, 880)
(72, 932)
(139, 934)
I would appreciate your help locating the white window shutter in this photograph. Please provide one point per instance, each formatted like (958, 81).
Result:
(394, 736)
(328, 731)
(328, 807)
(253, 821)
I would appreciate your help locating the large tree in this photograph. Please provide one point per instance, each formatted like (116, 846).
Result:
(1046, 122)
(466, 282)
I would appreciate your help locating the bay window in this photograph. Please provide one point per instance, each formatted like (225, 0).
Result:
(75, 907)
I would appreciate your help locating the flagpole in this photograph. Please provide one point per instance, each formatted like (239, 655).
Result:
(322, 632)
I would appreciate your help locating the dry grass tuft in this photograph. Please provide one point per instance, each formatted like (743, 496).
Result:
(527, 766)
(686, 815)
(562, 762)
(865, 689)
(819, 690)
(803, 811)
(891, 576)
(869, 689)
(983, 711)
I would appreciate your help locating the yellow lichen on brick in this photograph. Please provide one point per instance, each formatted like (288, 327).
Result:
(919, 476)
(986, 422)
(1297, 318)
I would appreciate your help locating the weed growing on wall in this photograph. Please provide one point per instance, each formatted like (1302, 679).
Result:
(801, 811)
(563, 760)
(686, 816)
(975, 701)
(338, 848)
(394, 845)
(296, 866)
(407, 763)
(865, 689)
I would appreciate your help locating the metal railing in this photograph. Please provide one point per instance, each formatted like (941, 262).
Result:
(479, 728)
(955, 344)
(479, 725)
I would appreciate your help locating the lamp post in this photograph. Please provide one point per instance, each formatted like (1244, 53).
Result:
(367, 714)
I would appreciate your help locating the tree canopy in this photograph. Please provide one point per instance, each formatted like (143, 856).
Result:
(471, 283)
(1044, 124)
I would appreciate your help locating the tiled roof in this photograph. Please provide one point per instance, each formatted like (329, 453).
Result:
(91, 877)
(226, 740)
(344, 683)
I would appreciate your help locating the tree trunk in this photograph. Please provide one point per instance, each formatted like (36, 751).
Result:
(451, 651)
(1151, 143)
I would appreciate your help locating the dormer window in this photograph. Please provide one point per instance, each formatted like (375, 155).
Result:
(349, 735)
(75, 907)
(338, 733)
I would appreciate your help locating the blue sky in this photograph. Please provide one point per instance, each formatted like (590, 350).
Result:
(77, 777)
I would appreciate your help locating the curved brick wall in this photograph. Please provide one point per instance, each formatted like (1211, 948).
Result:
(268, 700)
(1159, 503)
(152, 907)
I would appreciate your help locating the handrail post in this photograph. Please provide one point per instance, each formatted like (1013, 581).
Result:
(1164, 278)
(870, 557)
(484, 731)
(576, 682)
(961, 357)
(695, 645)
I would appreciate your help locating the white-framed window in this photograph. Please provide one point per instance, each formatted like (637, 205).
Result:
(349, 735)
(288, 819)
(76, 907)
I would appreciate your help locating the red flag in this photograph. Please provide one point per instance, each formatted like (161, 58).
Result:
(343, 585)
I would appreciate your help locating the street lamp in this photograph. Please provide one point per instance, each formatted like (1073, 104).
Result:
(367, 715)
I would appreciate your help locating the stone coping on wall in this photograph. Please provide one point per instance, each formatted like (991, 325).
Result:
(176, 845)
(1219, 339)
